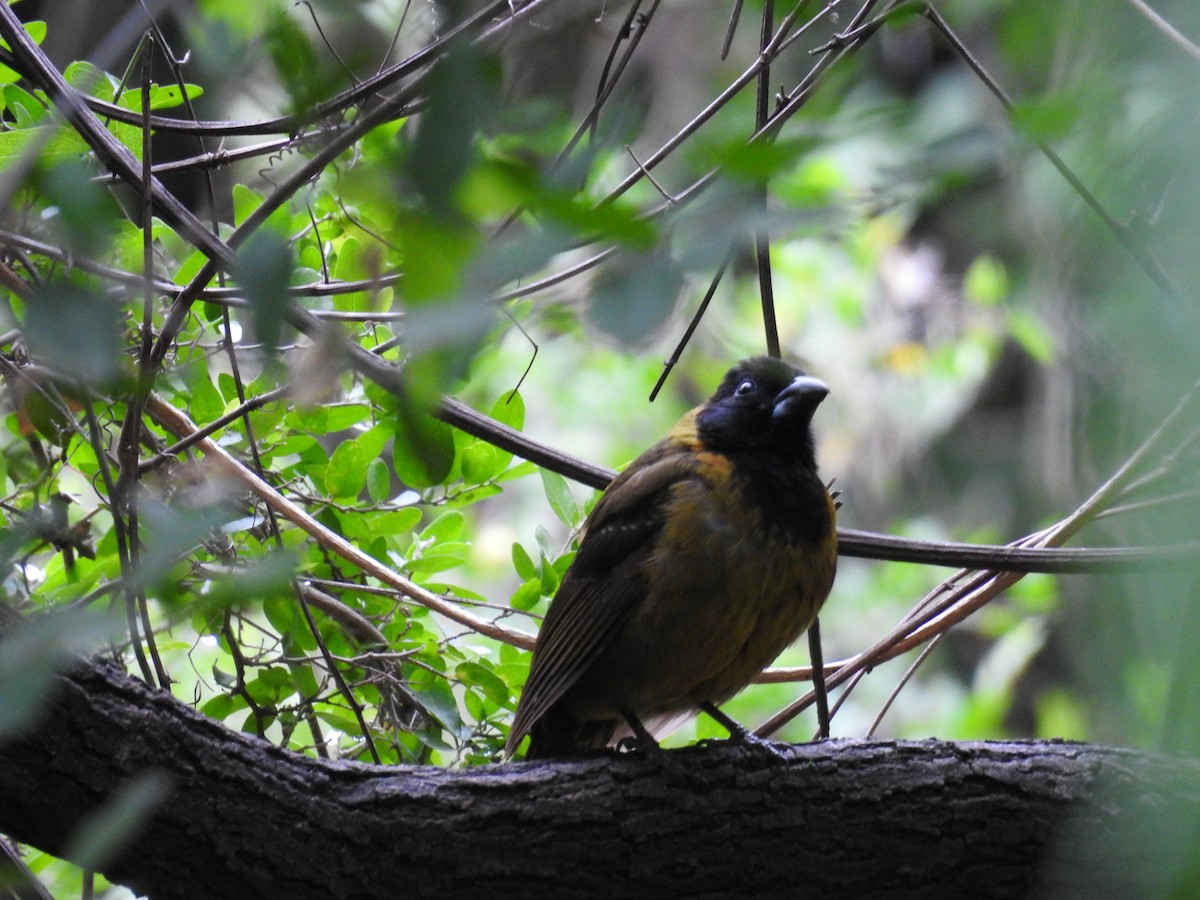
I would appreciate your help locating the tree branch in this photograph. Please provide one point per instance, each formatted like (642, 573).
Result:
(241, 817)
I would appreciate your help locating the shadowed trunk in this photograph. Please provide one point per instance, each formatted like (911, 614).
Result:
(235, 816)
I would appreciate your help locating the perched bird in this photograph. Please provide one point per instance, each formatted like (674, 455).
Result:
(701, 562)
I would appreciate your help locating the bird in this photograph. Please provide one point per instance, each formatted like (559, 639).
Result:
(706, 557)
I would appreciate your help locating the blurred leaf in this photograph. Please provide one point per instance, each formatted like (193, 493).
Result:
(76, 330)
(816, 181)
(1032, 335)
(85, 210)
(30, 656)
(43, 409)
(171, 533)
(755, 163)
(264, 268)
(986, 281)
(300, 69)
(264, 578)
(1049, 118)
(106, 831)
(462, 90)
(617, 221)
(634, 296)
(1062, 715)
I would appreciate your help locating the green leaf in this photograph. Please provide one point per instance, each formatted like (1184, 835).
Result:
(432, 563)
(299, 67)
(446, 527)
(550, 577)
(475, 674)
(543, 541)
(204, 401)
(24, 107)
(437, 698)
(522, 469)
(423, 452)
(562, 501)
(522, 563)
(395, 521)
(475, 494)
(480, 462)
(281, 613)
(36, 30)
(245, 201)
(219, 707)
(346, 474)
(88, 78)
(1049, 118)
(509, 410)
(379, 480)
(340, 416)
(375, 438)
(162, 96)
(527, 595)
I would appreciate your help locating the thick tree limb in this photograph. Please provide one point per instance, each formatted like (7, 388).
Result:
(839, 819)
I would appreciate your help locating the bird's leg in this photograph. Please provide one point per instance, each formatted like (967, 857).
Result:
(642, 741)
(816, 657)
(643, 744)
(738, 734)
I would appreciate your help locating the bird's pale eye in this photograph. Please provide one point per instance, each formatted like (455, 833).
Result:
(744, 389)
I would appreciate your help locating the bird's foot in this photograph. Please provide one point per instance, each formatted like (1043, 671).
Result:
(739, 736)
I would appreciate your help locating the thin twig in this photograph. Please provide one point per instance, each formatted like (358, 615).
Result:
(1172, 33)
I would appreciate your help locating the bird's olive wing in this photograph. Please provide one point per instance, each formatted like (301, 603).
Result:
(605, 581)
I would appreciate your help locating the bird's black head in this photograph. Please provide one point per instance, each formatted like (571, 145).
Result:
(763, 403)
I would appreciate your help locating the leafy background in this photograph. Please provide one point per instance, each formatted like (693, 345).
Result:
(981, 234)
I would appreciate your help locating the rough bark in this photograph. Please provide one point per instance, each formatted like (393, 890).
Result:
(837, 819)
